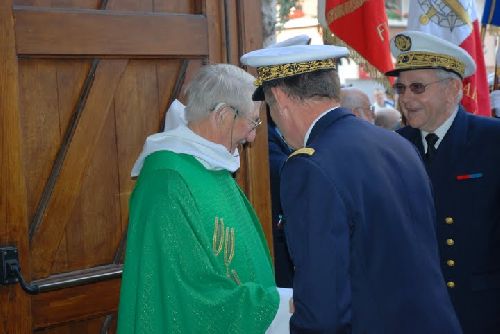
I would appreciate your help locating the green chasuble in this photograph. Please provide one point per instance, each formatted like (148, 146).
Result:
(196, 259)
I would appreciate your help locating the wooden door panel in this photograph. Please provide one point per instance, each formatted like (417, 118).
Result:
(83, 4)
(94, 230)
(48, 94)
(71, 75)
(185, 7)
(89, 32)
(137, 112)
(50, 228)
(15, 305)
(40, 124)
(75, 304)
(96, 326)
(171, 76)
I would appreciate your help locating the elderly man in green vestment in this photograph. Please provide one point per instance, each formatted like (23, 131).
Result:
(196, 259)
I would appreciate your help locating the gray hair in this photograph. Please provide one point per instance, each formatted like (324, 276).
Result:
(388, 118)
(317, 84)
(351, 97)
(443, 74)
(219, 83)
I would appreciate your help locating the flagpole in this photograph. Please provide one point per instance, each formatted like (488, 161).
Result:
(496, 78)
(488, 22)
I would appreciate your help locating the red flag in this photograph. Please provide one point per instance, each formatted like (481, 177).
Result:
(457, 21)
(362, 26)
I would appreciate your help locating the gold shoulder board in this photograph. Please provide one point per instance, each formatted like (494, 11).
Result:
(304, 150)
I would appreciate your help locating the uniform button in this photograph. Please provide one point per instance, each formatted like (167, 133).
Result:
(450, 284)
(450, 263)
(450, 242)
(448, 220)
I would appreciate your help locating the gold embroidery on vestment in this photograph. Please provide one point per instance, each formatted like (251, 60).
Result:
(236, 277)
(224, 237)
(218, 237)
(229, 248)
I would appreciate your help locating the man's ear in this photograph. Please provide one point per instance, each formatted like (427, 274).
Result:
(221, 114)
(280, 97)
(455, 87)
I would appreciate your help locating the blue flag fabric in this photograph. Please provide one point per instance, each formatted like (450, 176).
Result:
(491, 14)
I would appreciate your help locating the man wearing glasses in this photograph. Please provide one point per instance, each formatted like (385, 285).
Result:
(462, 158)
(197, 260)
(359, 103)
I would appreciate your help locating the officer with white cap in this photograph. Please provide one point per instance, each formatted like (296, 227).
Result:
(278, 154)
(358, 207)
(462, 158)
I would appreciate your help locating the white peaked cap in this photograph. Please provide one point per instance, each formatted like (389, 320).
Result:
(415, 50)
(295, 40)
(282, 62)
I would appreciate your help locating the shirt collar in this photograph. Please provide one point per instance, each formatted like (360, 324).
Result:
(440, 131)
(308, 133)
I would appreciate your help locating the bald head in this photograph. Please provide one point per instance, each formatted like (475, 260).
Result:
(388, 118)
(359, 103)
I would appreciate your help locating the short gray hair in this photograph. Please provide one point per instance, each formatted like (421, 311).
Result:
(317, 84)
(219, 83)
(443, 74)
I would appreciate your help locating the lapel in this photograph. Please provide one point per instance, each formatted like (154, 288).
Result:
(325, 122)
(414, 136)
(453, 145)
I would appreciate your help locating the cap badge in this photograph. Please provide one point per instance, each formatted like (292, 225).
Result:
(403, 42)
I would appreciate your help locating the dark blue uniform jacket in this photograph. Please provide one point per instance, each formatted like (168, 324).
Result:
(465, 174)
(360, 226)
(278, 153)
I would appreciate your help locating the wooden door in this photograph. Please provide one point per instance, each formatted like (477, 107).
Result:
(82, 83)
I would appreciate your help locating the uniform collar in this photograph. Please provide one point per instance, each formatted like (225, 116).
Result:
(440, 131)
(323, 121)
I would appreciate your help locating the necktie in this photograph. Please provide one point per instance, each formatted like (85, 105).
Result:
(431, 140)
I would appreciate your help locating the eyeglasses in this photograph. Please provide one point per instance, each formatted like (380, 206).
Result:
(371, 108)
(415, 87)
(254, 123)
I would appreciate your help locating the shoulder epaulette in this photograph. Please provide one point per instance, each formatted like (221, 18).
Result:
(304, 150)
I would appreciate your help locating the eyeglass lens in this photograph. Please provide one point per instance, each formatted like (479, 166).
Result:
(415, 87)
(255, 123)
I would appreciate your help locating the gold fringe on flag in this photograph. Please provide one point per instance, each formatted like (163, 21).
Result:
(375, 74)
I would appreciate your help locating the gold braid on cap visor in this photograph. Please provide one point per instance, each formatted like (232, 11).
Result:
(268, 73)
(414, 60)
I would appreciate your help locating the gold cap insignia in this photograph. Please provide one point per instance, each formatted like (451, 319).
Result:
(415, 60)
(304, 150)
(403, 42)
(268, 73)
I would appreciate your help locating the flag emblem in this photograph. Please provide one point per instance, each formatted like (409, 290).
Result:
(447, 14)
